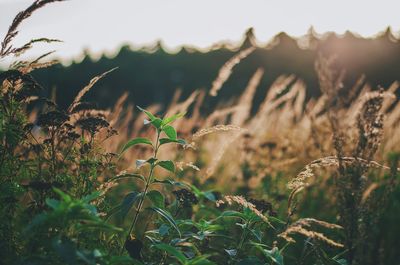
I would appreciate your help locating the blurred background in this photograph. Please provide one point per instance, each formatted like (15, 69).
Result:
(160, 46)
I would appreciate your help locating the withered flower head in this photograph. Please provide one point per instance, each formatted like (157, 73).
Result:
(42, 185)
(52, 118)
(261, 205)
(111, 132)
(47, 141)
(134, 246)
(81, 106)
(69, 126)
(185, 197)
(73, 135)
(92, 124)
(85, 149)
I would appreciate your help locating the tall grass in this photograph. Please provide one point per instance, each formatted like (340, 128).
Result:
(297, 181)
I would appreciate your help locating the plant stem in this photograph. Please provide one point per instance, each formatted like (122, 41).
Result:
(148, 182)
(243, 237)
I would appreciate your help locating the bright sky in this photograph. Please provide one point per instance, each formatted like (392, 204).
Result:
(103, 25)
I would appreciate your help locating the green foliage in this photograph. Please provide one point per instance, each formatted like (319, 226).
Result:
(135, 142)
(57, 208)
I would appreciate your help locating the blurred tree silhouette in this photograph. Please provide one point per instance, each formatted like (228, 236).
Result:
(151, 75)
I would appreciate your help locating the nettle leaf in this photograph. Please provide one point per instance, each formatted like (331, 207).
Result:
(170, 132)
(173, 118)
(173, 252)
(168, 140)
(157, 122)
(156, 198)
(167, 164)
(128, 202)
(167, 216)
(135, 141)
(127, 176)
(172, 182)
(148, 113)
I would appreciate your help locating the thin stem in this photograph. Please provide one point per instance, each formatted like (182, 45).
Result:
(243, 236)
(148, 182)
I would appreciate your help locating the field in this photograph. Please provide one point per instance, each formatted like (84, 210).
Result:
(293, 180)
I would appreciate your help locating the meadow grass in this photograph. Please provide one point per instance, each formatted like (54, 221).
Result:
(297, 181)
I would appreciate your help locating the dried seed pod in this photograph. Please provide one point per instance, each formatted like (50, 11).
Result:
(185, 197)
(134, 246)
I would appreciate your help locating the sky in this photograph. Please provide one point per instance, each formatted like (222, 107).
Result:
(104, 25)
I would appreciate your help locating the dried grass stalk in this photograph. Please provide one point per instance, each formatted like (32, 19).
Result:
(6, 47)
(226, 70)
(229, 199)
(87, 88)
(300, 180)
(300, 227)
(245, 101)
(216, 128)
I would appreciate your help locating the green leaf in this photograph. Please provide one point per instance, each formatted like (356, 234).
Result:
(128, 202)
(156, 198)
(173, 252)
(257, 233)
(156, 123)
(127, 176)
(167, 164)
(141, 162)
(91, 197)
(113, 211)
(173, 118)
(53, 203)
(163, 230)
(274, 254)
(231, 252)
(170, 132)
(148, 113)
(209, 195)
(167, 141)
(65, 197)
(233, 214)
(274, 219)
(135, 141)
(342, 262)
(151, 160)
(172, 182)
(167, 216)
